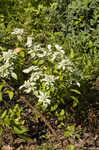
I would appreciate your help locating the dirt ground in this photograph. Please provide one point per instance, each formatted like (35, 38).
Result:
(43, 139)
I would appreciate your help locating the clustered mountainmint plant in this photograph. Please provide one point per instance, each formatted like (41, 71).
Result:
(50, 67)
(7, 64)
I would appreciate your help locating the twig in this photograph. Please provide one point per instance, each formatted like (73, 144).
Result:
(12, 89)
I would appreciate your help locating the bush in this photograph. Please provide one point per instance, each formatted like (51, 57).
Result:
(48, 49)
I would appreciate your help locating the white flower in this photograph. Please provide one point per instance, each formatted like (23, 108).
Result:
(44, 98)
(26, 84)
(35, 76)
(31, 68)
(29, 86)
(32, 88)
(28, 70)
(78, 84)
(37, 47)
(6, 68)
(54, 56)
(49, 46)
(8, 55)
(41, 53)
(29, 42)
(28, 90)
(32, 53)
(65, 63)
(49, 80)
(58, 47)
(18, 31)
(19, 37)
(62, 65)
(62, 52)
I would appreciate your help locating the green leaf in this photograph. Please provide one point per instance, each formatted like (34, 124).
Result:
(71, 128)
(25, 137)
(76, 91)
(14, 75)
(67, 133)
(71, 54)
(86, 2)
(0, 96)
(62, 112)
(75, 102)
(77, 135)
(10, 93)
(22, 54)
(71, 147)
(20, 130)
(3, 114)
(7, 120)
(53, 108)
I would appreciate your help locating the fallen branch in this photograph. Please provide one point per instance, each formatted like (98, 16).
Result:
(11, 88)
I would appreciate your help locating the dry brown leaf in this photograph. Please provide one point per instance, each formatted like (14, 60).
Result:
(6, 147)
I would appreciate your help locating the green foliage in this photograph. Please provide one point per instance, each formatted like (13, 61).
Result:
(12, 118)
(70, 135)
(48, 49)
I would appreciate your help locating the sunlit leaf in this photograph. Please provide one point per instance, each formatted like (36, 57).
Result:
(14, 75)
(76, 91)
(20, 130)
(10, 93)
(3, 114)
(75, 102)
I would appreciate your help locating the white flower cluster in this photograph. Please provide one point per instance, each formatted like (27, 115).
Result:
(56, 55)
(31, 85)
(18, 32)
(6, 64)
(49, 80)
(44, 98)
(38, 51)
(29, 42)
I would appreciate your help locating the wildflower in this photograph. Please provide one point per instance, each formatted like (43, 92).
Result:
(18, 31)
(49, 46)
(31, 68)
(41, 53)
(28, 70)
(35, 76)
(65, 63)
(58, 47)
(29, 86)
(29, 42)
(49, 80)
(8, 55)
(44, 98)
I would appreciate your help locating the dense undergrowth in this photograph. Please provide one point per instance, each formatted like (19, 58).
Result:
(49, 50)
